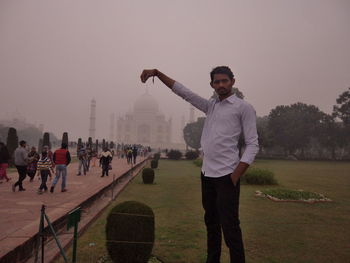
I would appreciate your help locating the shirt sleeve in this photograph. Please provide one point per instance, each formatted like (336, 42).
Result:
(250, 134)
(196, 100)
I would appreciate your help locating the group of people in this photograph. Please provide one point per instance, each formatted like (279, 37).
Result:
(32, 163)
(87, 155)
(48, 163)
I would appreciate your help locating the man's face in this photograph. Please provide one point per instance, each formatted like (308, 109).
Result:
(222, 84)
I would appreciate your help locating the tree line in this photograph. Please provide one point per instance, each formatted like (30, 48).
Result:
(296, 131)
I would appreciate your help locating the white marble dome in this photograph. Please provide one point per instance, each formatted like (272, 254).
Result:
(146, 103)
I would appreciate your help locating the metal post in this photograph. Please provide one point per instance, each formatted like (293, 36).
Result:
(41, 229)
(42, 234)
(113, 184)
(56, 239)
(74, 260)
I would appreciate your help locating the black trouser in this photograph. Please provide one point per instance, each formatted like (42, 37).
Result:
(44, 174)
(31, 174)
(22, 172)
(105, 168)
(134, 158)
(220, 199)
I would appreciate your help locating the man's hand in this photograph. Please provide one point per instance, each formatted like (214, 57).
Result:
(147, 73)
(240, 169)
(234, 178)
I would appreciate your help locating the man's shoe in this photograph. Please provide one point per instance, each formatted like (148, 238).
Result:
(64, 190)
(78, 174)
(22, 189)
(13, 188)
(40, 192)
(52, 189)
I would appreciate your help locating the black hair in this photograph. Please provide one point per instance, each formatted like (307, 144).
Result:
(22, 143)
(64, 145)
(221, 70)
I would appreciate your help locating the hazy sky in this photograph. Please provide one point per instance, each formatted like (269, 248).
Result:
(55, 56)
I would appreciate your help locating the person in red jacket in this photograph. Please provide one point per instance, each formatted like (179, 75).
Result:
(61, 159)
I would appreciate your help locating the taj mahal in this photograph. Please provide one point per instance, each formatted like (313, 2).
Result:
(146, 124)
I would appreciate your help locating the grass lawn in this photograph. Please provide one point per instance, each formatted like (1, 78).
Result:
(272, 231)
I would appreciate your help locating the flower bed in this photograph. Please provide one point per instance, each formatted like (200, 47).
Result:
(286, 195)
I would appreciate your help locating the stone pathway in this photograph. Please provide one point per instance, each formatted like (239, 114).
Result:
(20, 211)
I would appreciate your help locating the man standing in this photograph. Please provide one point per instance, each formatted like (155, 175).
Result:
(21, 161)
(61, 158)
(227, 117)
(81, 153)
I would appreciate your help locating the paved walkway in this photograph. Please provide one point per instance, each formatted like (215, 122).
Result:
(20, 211)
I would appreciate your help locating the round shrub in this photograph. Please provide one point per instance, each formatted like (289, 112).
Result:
(154, 164)
(259, 176)
(191, 155)
(198, 162)
(148, 176)
(130, 232)
(156, 156)
(174, 155)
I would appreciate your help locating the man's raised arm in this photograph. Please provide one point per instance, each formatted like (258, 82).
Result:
(196, 100)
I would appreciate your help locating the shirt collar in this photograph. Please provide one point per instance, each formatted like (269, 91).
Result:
(230, 99)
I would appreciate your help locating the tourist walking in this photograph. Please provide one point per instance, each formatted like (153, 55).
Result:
(44, 167)
(61, 159)
(81, 153)
(227, 116)
(105, 161)
(21, 161)
(33, 158)
(129, 155)
(134, 153)
(4, 162)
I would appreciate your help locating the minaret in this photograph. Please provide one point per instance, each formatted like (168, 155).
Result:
(92, 129)
(111, 127)
(191, 114)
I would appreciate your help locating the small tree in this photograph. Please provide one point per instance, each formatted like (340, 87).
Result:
(65, 138)
(46, 140)
(96, 145)
(12, 142)
(40, 145)
(90, 142)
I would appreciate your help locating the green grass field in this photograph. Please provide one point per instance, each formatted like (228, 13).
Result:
(272, 231)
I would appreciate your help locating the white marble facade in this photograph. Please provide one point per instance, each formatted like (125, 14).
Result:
(145, 124)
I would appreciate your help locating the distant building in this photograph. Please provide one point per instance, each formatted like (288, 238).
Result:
(145, 124)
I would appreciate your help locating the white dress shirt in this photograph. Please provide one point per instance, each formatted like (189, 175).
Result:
(225, 121)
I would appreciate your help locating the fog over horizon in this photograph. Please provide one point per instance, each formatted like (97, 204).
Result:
(55, 56)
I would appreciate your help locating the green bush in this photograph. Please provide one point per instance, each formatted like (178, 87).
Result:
(259, 176)
(174, 155)
(198, 162)
(154, 164)
(130, 232)
(156, 156)
(148, 176)
(191, 155)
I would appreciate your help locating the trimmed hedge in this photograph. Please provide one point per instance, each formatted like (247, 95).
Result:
(259, 176)
(148, 175)
(198, 162)
(130, 232)
(154, 164)
(156, 156)
(191, 155)
(174, 155)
